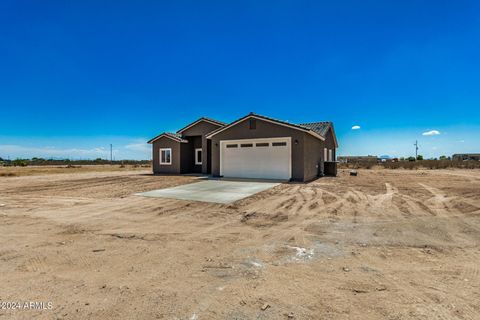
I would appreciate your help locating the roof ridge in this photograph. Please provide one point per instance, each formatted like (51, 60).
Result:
(214, 120)
(171, 135)
(317, 122)
(252, 114)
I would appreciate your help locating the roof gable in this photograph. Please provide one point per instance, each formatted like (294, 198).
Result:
(173, 136)
(202, 119)
(271, 120)
(322, 129)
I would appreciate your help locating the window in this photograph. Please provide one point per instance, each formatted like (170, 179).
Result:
(246, 145)
(325, 154)
(232, 145)
(279, 144)
(330, 155)
(166, 156)
(198, 156)
(253, 124)
(262, 144)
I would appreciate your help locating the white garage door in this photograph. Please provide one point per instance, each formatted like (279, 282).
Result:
(256, 158)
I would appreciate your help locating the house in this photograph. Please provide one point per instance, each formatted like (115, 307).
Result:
(253, 146)
(466, 156)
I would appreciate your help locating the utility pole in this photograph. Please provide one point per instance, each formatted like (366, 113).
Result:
(111, 154)
(416, 149)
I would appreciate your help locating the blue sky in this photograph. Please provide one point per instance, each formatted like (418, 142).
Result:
(76, 76)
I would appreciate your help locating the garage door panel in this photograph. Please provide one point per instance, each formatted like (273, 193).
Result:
(270, 162)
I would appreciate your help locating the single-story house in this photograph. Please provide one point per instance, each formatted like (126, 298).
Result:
(253, 146)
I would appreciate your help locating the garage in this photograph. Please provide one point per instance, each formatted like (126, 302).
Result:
(256, 158)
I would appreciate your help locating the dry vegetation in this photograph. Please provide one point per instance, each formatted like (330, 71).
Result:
(423, 164)
(388, 244)
(42, 170)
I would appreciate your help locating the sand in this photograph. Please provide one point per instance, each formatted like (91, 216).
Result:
(387, 244)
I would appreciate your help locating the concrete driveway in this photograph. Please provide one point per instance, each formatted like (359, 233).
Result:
(218, 191)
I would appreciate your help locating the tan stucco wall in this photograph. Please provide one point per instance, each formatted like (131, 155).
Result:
(201, 129)
(313, 160)
(264, 130)
(166, 143)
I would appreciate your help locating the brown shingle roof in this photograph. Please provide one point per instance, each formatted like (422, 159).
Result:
(216, 121)
(319, 127)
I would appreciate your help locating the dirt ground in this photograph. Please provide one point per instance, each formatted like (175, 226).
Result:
(388, 244)
(12, 171)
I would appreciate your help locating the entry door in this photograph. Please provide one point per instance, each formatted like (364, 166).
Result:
(256, 158)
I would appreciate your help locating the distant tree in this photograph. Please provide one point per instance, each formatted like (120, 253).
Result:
(443, 157)
(402, 158)
(419, 157)
(411, 158)
(20, 163)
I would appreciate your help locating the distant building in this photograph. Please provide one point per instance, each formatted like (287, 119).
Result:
(466, 156)
(357, 159)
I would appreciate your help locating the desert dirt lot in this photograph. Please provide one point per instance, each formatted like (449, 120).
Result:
(12, 171)
(388, 244)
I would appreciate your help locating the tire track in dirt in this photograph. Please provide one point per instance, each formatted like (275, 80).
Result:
(34, 264)
(439, 202)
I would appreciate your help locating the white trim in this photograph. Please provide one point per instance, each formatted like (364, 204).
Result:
(254, 141)
(160, 154)
(199, 120)
(196, 156)
(266, 120)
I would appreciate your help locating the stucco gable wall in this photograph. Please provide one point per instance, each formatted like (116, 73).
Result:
(263, 129)
(201, 129)
(166, 143)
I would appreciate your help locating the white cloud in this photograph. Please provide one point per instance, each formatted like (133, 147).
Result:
(355, 127)
(431, 133)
